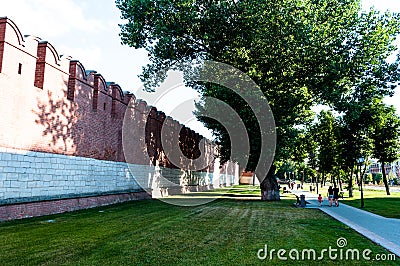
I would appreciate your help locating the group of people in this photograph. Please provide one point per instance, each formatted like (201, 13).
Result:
(333, 197)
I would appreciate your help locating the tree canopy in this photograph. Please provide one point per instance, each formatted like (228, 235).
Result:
(300, 52)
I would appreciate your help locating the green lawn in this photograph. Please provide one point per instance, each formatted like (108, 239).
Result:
(376, 201)
(227, 231)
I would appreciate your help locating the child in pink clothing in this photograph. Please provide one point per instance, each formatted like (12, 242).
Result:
(320, 200)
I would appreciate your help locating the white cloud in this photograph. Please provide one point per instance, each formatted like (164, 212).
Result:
(84, 30)
(92, 55)
(48, 18)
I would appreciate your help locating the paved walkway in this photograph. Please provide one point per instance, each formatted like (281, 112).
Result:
(381, 230)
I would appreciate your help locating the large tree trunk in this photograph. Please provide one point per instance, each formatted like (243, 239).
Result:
(333, 179)
(350, 188)
(384, 178)
(357, 178)
(269, 186)
(340, 182)
(323, 179)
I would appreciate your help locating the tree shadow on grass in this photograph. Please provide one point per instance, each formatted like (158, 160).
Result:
(228, 195)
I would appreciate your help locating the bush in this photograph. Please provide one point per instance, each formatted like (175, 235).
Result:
(377, 178)
(391, 176)
(368, 178)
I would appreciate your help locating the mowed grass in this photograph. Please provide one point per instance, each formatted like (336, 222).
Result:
(227, 231)
(376, 201)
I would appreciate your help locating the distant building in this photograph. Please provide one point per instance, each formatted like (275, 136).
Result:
(376, 167)
(248, 178)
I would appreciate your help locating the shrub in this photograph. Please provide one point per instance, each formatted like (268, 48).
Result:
(368, 178)
(377, 178)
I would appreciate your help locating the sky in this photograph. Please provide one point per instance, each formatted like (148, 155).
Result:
(87, 30)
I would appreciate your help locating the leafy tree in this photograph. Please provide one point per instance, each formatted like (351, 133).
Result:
(347, 152)
(300, 52)
(287, 169)
(311, 146)
(327, 142)
(354, 141)
(385, 136)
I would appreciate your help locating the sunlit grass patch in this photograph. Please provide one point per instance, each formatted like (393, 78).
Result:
(376, 201)
(227, 231)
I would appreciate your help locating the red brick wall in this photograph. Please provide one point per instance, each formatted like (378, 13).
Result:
(2, 38)
(33, 209)
(55, 106)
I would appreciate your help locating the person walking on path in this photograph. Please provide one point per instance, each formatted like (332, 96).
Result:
(319, 200)
(336, 196)
(330, 195)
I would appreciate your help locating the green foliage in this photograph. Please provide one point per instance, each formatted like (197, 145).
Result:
(286, 170)
(325, 131)
(377, 178)
(392, 176)
(376, 201)
(385, 133)
(299, 52)
(350, 183)
(368, 178)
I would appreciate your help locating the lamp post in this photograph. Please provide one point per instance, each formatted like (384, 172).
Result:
(360, 161)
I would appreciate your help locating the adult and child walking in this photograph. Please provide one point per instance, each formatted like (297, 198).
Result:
(333, 197)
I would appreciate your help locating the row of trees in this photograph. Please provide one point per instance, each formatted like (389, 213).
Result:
(333, 143)
(301, 53)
